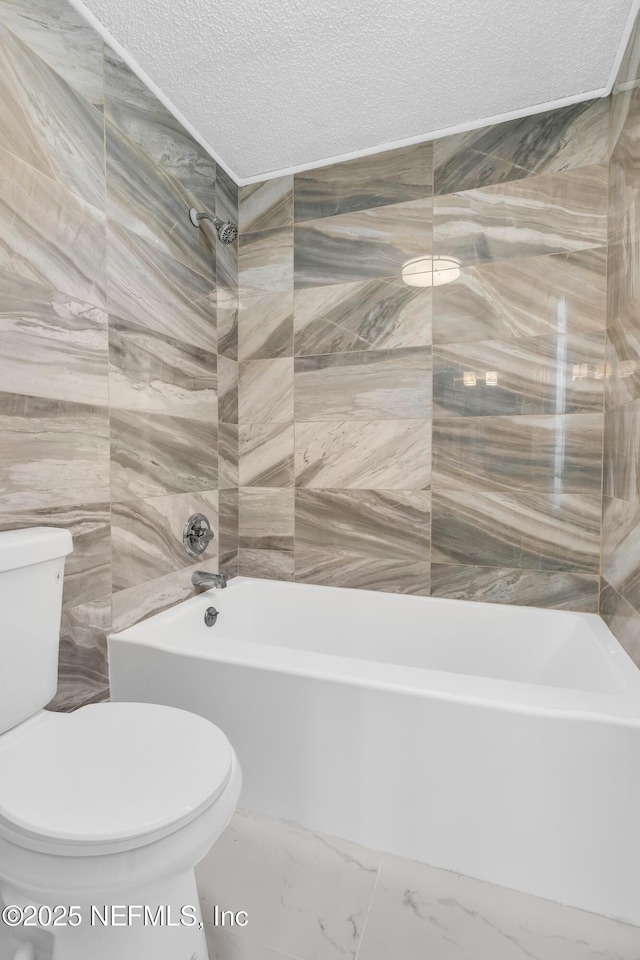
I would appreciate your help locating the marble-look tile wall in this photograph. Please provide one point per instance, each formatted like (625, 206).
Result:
(443, 441)
(109, 367)
(620, 593)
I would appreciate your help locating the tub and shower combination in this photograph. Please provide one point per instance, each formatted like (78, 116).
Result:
(499, 742)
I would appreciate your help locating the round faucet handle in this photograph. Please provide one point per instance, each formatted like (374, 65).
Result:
(197, 534)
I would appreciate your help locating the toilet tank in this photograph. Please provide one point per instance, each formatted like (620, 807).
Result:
(31, 576)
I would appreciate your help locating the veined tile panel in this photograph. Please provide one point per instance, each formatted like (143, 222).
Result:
(228, 456)
(552, 213)
(361, 245)
(572, 136)
(131, 106)
(552, 454)
(621, 469)
(152, 289)
(372, 385)
(266, 326)
(227, 324)
(153, 373)
(147, 536)
(44, 122)
(368, 315)
(376, 454)
(266, 519)
(227, 390)
(56, 32)
(53, 345)
(265, 262)
(226, 253)
(49, 234)
(528, 297)
(265, 391)
(52, 452)
(386, 178)
(266, 205)
(532, 530)
(538, 375)
(531, 588)
(83, 668)
(266, 564)
(228, 532)
(622, 619)
(151, 597)
(153, 454)
(623, 348)
(621, 548)
(266, 455)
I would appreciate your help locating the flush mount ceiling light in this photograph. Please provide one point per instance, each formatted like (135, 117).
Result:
(430, 271)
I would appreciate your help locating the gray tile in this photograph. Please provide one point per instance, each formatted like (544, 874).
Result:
(228, 531)
(83, 669)
(266, 205)
(228, 454)
(622, 619)
(621, 548)
(266, 326)
(530, 588)
(227, 325)
(265, 391)
(388, 177)
(266, 519)
(265, 262)
(621, 477)
(227, 253)
(275, 564)
(227, 390)
(153, 596)
(266, 455)
(327, 568)
(373, 385)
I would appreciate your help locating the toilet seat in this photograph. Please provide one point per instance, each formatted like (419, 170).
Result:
(111, 776)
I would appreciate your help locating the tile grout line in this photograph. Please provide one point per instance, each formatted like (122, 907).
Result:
(366, 919)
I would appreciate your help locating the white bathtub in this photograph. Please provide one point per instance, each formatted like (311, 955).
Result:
(500, 742)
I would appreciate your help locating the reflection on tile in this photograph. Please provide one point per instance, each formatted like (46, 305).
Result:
(153, 373)
(266, 326)
(530, 588)
(621, 548)
(52, 344)
(537, 375)
(152, 454)
(146, 536)
(132, 107)
(621, 477)
(419, 911)
(52, 450)
(389, 524)
(528, 297)
(49, 234)
(306, 894)
(227, 390)
(265, 391)
(265, 262)
(44, 122)
(83, 669)
(552, 213)
(228, 454)
(572, 136)
(266, 520)
(228, 532)
(377, 454)
(59, 36)
(326, 568)
(266, 205)
(152, 289)
(389, 177)
(358, 246)
(361, 316)
(554, 454)
(266, 455)
(375, 385)
(535, 531)
(622, 619)
(153, 596)
(276, 564)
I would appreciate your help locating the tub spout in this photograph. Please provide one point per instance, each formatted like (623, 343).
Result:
(202, 578)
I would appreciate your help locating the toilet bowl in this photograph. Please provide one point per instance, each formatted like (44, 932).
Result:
(103, 812)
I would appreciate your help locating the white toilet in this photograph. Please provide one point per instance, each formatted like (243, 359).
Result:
(107, 809)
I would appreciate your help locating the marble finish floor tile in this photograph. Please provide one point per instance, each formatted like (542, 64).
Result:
(266, 519)
(57, 33)
(553, 213)
(361, 245)
(265, 262)
(266, 455)
(538, 375)
(378, 454)
(373, 385)
(46, 123)
(621, 548)
(266, 205)
(389, 177)
(53, 345)
(265, 326)
(372, 314)
(134, 109)
(265, 391)
(306, 894)
(529, 588)
(527, 297)
(152, 454)
(554, 454)
(49, 234)
(622, 619)
(535, 531)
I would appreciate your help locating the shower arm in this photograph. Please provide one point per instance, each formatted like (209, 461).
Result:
(227, 232)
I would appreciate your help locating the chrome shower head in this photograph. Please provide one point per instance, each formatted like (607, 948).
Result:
(227, 232)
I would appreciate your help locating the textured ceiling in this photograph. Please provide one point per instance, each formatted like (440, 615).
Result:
(271, 85)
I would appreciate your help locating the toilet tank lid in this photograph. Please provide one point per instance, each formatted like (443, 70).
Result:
(21, 548)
